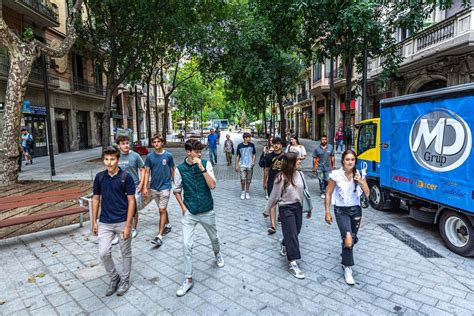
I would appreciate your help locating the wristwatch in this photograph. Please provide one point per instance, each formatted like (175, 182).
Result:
(204, 171)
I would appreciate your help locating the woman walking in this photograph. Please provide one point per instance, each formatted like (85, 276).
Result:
(344, 189)
(296, 147)
(228, 149)
(287, 192)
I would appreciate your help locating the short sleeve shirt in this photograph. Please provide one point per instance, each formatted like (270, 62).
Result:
(246, 152)
(343, 194)
(160, 166)
(212, 140)
(24, 139)
(324, 155)
(132, 163)
(299, 150)
(114, 201)
(274, 162)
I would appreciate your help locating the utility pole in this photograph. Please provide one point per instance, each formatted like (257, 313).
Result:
(48, 117)
(155, 92)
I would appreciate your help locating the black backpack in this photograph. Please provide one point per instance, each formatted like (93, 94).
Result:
(123, 181)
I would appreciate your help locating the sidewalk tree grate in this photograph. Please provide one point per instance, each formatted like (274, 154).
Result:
(410, 241)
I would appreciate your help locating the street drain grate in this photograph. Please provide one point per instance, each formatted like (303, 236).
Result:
(410, 241)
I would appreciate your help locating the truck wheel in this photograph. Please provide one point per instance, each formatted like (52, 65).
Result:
(376, 196)
(457, 232)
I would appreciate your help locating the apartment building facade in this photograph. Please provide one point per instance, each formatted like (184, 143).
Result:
(76, 86)
(440, 55)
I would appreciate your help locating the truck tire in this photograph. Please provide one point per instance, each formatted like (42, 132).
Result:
(376, 196)
(457, 233)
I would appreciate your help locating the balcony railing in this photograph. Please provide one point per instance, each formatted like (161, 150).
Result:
(448, 33)
(36, 75)
(46, 9)
(83, 85)
(302, 96)
(288, 102)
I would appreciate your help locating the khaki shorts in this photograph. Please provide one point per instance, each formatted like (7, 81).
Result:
(161, 197)
(246, 174)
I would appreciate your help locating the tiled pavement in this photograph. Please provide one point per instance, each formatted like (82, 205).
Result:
(58, 271)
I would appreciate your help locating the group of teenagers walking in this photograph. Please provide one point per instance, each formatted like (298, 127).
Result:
(119, 188)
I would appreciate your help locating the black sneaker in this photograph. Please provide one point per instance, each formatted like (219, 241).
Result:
(157, 241)
(271, 230)
(167, 230)
(113, 286)
(123, 287)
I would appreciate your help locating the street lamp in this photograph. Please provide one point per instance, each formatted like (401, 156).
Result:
(49, 136)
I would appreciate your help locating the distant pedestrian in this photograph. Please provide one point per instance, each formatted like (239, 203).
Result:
(340, 140)
(288, 194)
(228, 149)
(268, 148)
(273, 163)
(133, 164)
(296, 147)
(160, 165)
(344, 190)
(212, 142)
(244, 162)
(27, 143)
(323, 163)
(193, 182)
(114, 190)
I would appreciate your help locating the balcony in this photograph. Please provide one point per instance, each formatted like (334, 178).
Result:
(453, 36)
(303, 96)
(36, 75)
(83, 85)
(41, 12)
(288, 102)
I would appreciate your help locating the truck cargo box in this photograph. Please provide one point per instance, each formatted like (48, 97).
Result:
(426, 146)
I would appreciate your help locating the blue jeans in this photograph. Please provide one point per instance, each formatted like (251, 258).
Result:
(341, 144)
(323, 177)
(213, 153)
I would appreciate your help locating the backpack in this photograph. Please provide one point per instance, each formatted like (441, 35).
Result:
(261, 160)
(123, 181)
(30, 143)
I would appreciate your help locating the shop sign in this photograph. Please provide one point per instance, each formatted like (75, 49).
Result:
(26, 106)
(38, 109)
(321, 110)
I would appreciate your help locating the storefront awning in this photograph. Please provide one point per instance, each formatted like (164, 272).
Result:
(352, 105)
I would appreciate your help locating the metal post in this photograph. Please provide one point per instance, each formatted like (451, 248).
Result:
(332, 110)
(136, 109)
(364, 84)
(48, 117)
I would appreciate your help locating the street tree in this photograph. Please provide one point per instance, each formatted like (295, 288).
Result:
(115, 32)
(23, 49)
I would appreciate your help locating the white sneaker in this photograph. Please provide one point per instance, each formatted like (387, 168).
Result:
(348, 275)
(282, 248)
(242, 195)
(247, 196)
(116, 240)
(295, 270)
(220, 260)
(183, 289)
(134, 233)
(323, 196)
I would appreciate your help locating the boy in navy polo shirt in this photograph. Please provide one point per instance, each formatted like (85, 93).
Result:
(117, 189)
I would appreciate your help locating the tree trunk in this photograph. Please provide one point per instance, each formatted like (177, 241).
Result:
(264, 117)
(347, 112)
(106, 117)
(165, 116)
(282, 120)
(157, 123)
(21, 60)
(148, 114)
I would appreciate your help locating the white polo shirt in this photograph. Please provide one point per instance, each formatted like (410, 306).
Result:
(343, 194)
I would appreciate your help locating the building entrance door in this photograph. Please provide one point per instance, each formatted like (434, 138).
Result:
(82, 130)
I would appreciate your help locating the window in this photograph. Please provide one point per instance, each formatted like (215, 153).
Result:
(366, 137)
(316, 72)
(327, 68)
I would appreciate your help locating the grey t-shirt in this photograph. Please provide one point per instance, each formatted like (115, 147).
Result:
(324, 154)
(131, 163)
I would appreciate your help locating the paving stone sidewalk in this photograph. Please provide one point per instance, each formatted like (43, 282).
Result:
(58, 271)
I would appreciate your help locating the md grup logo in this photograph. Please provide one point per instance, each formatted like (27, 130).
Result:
(440, 140)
